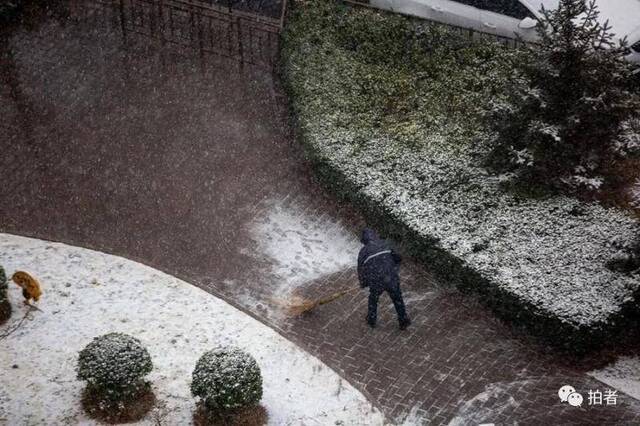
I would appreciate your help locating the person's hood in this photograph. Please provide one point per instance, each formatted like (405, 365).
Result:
(368, 235)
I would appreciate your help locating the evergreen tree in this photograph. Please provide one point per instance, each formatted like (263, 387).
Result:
(571, 111)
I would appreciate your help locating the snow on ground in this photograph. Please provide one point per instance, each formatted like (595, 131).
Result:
(477, 411)
(415, 417)
(87, 293)
(302, 246)
(623, 374)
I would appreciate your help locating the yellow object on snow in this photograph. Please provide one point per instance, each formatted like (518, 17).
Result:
(30, 286)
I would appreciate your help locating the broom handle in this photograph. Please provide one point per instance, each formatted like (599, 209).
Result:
(337, 295)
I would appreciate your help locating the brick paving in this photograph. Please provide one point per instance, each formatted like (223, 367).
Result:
(187, 171)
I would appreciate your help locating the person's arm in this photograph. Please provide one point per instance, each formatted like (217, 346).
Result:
(361, 269)
(396, 257)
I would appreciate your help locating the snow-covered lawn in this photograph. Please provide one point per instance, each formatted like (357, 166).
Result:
(87, 293)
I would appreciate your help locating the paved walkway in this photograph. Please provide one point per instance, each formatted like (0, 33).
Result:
(197, 175)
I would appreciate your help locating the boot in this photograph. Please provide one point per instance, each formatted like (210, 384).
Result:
(404, 323)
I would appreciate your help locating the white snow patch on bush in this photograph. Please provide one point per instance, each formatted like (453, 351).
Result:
(87, 293)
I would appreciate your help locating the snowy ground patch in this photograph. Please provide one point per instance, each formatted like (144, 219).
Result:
(301, 246)
(87, 293)
(623, 374)
(475, 410)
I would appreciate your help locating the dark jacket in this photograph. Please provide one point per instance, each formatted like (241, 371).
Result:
(378, 263)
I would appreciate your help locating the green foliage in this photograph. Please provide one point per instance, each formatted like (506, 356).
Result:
(5, 306)
(227, 379)
(566, 118)
(392, 75)
(4, 287)
(627, 259)
(3, 280)
(114, 365)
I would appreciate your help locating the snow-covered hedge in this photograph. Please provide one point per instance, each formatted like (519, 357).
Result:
(5, 306)
(227, 379)
(395, 125)
(4, 284)
(114, 365)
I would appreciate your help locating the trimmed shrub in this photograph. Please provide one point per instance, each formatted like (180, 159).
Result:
(627, 258)
(114, 365)
(227, 379)
(5, 306)
(4, 284)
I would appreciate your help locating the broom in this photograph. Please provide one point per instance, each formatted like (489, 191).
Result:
(300, 305)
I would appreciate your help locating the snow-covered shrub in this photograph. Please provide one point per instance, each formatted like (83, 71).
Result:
(5, 306)
(4, 284)
(227, 379)
(114, 365)
(563, 120)
(627, 257)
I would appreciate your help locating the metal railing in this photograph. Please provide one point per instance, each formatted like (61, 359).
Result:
(203, 27)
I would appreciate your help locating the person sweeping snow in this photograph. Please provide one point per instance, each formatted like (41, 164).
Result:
(378, 268)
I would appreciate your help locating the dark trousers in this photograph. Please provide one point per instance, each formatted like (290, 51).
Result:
(396, 298)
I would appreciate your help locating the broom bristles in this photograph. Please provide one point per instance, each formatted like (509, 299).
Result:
(301, 308)
(299, 305)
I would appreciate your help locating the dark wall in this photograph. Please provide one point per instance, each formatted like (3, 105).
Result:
(506, 7)
(271, 8)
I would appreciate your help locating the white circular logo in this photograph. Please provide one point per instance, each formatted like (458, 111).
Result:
(565, 391)
(575, 399)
